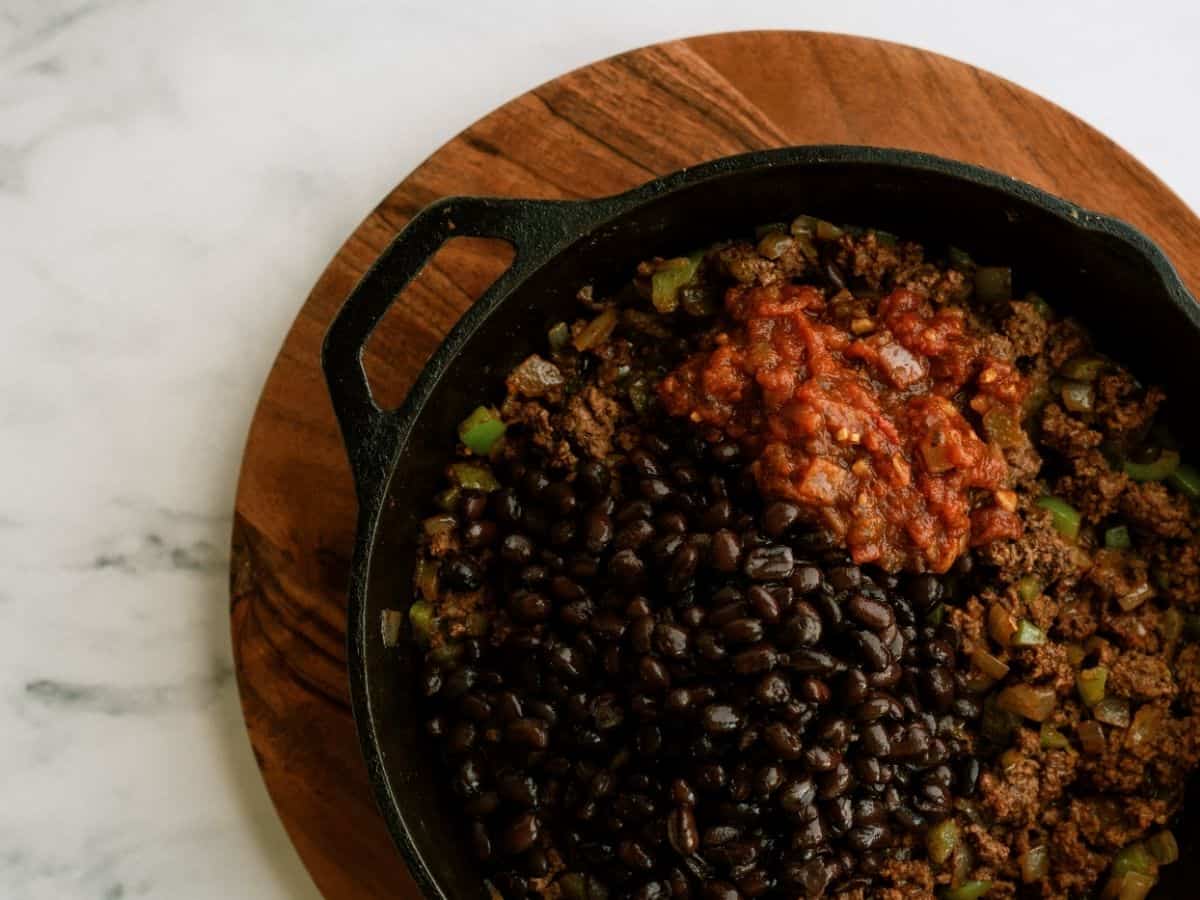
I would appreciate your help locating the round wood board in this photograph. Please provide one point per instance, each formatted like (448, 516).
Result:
(595, 131)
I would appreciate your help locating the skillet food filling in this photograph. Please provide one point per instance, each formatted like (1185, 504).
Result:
(814, 566)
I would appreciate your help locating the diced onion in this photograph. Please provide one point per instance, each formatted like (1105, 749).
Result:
(1112, 711)
(1163, 847)
(989, 665)
(1036, 703)
(1035, 864)
(1091, 737)
(1091, 684)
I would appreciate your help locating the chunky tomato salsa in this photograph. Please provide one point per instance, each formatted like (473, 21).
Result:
(864, 422)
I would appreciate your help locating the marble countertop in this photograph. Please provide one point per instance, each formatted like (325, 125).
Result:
(173, 177)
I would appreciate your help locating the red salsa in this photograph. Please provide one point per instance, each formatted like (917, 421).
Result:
(861, 422)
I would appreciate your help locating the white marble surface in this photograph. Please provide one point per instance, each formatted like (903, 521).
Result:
(173, 177)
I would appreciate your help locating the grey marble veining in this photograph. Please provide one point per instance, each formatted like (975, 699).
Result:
(173, 177)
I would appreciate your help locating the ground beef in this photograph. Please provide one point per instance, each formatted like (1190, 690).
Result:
(535, 420)
(1138, 630)
(1074, 866)
(574, 408)
(1065, 340)
(1152, 507)
(1042, 553)
(741, 262)
(1141, 677)
(1187, 669)
(1095, 488)
(1066, 434)
(867, 258)
(1076, 620)
(1048, 663)
(941, 286)
(1123, 407)
(591, 420)
(1026, 327)
(905, 880)
(989, 850)
(1011, 794)
(1177, 570)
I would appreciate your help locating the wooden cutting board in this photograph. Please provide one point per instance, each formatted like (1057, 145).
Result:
(595, 131)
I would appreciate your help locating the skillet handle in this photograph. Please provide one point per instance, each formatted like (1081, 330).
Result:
(535, 228)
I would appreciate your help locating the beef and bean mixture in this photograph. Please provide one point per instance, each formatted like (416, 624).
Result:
(810, 566)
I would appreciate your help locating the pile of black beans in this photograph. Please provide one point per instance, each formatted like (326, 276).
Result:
(684, 692)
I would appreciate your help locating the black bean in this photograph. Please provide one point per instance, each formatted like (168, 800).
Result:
(626, 567)
(966, 708)
(683, 567)
(682, 832)
(633, 535)
(813, 662)
(459, 682)
(770, 603)
(742, 631)
(531, 733)
(597, 530)
(654, 674)
(656, 490)
(821, 759)
(533, 576)
(663, 549)
(839, 814)
(867, 837)
(871, 649)
(720, 890)
(726, 612)
(845, 578)
(868, 770)
(507, 507)
(779, 516)
(528, 606)
(876, 740)
(432, 679)
(835, 732)
(710, 646)
(783, 741)
(924, 591)
(468, 777)
(716, 515)
(873, 614)
(773, 689)
(520, 834)
(755, 883)
(811, 877)
(810, 835)
(520, 790)
(516, 549)
(938, 685)
(770, 563)
(805, 579)
(760, 657)
(803, 626)
(968, 776)
(670, 640)
(461, 573)
(720, 718)
(593, 479)
(725, 550)
(477, 535)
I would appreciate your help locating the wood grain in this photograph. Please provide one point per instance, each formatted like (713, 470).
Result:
(594, 131)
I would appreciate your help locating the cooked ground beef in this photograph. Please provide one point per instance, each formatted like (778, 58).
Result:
(655, 673)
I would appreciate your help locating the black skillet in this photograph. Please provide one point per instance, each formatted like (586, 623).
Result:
(1094, 267)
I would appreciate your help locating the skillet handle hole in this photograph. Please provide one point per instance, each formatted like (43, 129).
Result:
(451, 280)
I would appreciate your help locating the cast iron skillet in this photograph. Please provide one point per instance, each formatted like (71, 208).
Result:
(1097, 268)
